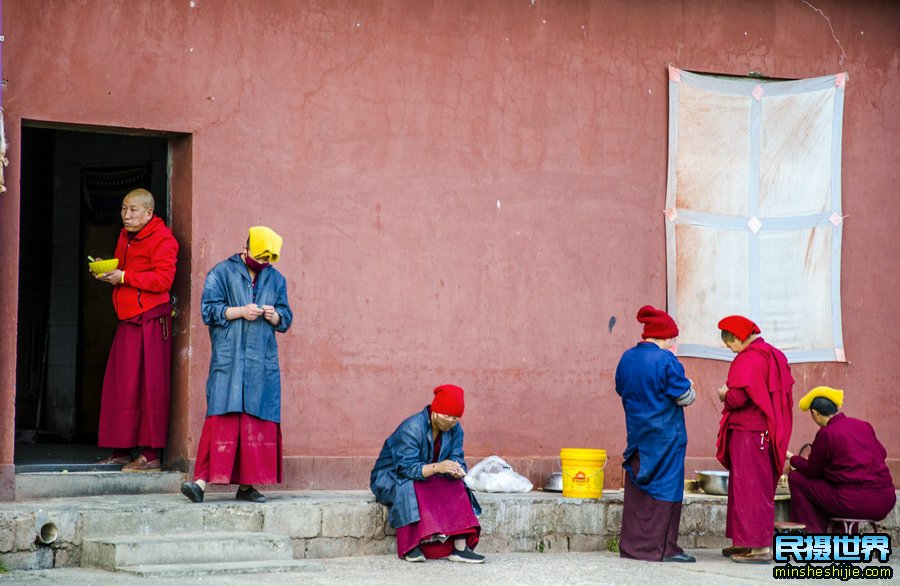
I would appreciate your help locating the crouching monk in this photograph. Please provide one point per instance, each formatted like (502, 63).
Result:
(845, 474)
(418, 475)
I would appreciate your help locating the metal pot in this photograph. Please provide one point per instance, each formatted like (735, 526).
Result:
(554, 482)
(713, 481)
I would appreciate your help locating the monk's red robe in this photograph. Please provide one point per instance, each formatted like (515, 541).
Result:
(845, 476)
(753, 439)
(134, 405)
(238, 448)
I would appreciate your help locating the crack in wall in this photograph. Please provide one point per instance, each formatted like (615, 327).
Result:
(833, 35)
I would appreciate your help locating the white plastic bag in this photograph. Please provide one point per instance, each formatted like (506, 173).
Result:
(493, 474)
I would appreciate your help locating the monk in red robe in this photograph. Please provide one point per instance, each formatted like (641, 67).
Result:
(134, 405)
(845, 474)
(753, 437)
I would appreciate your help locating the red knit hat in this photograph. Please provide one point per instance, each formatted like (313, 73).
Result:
(448, 400)
(739, 325)
(657, 323)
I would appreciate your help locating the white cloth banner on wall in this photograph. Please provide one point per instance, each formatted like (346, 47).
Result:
(753, 212)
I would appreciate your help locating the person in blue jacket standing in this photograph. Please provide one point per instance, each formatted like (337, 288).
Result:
(654, 392)
(244, 304)
(418, 475)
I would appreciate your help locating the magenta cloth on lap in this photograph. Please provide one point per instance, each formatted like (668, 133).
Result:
(444, 508)
(815, 500)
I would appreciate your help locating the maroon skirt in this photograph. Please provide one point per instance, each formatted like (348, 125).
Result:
(444, 510)
(750, 516)
(237, 448)
(649, 527)
(134, 405)
(814, 501)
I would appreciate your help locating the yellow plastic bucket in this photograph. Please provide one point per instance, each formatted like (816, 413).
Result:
(582, 472)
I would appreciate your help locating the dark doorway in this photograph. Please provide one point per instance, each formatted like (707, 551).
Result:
(72, 185)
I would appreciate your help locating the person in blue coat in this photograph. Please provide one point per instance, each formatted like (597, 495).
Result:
(245, 304)
(654, 392)
(418, 475)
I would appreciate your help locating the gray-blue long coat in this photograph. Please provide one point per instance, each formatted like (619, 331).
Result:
(405, 451)
(244, 374)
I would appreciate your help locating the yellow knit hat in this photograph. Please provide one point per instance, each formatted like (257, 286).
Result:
(264, 240)
(836, 396)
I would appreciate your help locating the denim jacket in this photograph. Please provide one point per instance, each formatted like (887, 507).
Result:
(400, 463)
(244, 375)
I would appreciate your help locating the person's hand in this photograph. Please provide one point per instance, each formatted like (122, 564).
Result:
(723, 390)
(271, 315)
(251, 311)
(788, 454)
(450, 467)
(113, 277)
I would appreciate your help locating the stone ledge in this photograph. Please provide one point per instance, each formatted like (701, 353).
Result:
(323, 524)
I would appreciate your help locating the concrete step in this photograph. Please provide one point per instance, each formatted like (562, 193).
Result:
(66, 468)
(112, 553)
(221, 568)
(42, 485)
(328, 524)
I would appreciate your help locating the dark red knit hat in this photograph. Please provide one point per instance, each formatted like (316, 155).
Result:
(657, 323)
(739, 325)
(448, 400)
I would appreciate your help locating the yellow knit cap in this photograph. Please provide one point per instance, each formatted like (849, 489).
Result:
(836, 396)
(263, 240)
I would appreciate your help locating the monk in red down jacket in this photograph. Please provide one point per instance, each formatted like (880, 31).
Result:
(134, 406)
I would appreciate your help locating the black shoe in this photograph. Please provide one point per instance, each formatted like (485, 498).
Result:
(467, 556)
(251, 494)
(193, 491)
(682, 558)
(415, 555)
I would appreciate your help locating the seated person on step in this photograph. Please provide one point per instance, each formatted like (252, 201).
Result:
(845, 474)
(418, 475)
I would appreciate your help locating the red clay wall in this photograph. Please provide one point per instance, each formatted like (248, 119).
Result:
(468, 192)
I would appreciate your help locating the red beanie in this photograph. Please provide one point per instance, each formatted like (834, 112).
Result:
(657, 323)
(739, 325)
(448, 400)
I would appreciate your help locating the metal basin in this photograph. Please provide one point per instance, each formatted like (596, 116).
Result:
(713, 481)
(554, 482)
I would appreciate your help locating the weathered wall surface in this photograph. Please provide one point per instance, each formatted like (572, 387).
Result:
(468, 191)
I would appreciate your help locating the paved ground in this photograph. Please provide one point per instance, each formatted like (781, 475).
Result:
(569, 569)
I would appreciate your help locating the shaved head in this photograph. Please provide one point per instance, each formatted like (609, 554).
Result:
(137, 210)
(142, 197)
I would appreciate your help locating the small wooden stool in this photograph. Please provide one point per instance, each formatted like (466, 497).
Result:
(851, 526)
(789, 527)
